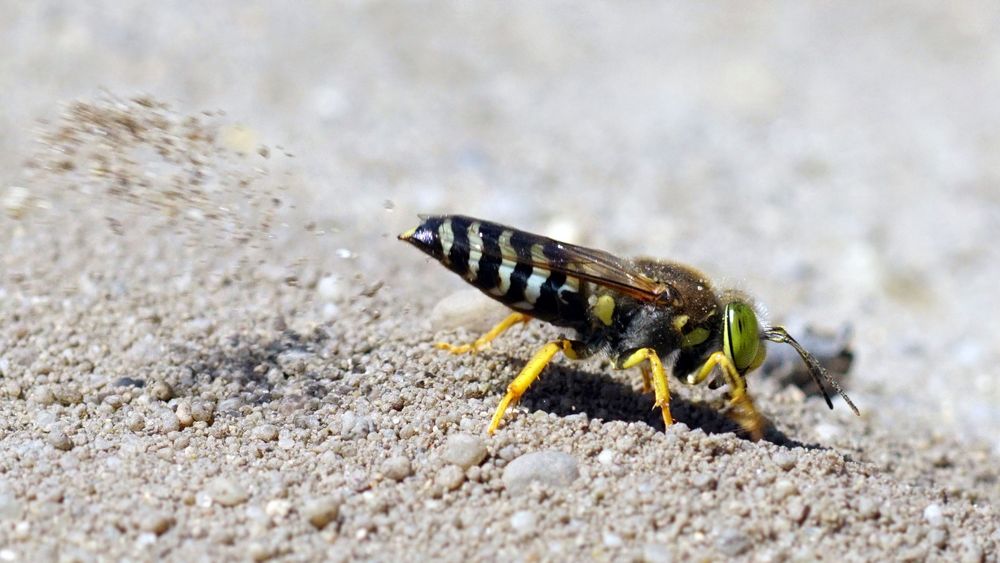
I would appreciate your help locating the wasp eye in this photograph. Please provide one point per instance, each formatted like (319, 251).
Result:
(740, 335)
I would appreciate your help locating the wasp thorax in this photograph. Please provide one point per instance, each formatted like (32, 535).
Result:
(741, 336)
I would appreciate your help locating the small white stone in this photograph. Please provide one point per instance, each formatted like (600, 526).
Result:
(933, 515)
(612, 540)
(162, 391)
(265, 433)
(60, 441)
(184, 418)
(156, 522)
(784, 488)
(329, 288)
(321, 512)
(397, 468)
(523, 521)
(550, 468)
(450, 477)
(464, 450)
(606, 457)
(468, 309)
(226, 491)
(277, 508)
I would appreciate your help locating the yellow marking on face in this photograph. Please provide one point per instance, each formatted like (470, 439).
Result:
(695, 337)
(604, 308)
(679, 322)
(408, 234)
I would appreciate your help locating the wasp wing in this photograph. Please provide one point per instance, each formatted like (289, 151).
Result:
(596, 266)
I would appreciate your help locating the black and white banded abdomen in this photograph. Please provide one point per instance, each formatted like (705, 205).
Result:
(509, 265)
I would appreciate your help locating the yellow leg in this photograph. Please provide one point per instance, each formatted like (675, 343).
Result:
(482, 341)
(659, 379)
(528, 376)
(742, 410)
(646, 385)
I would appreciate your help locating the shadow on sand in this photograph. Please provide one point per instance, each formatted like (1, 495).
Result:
(565, 391)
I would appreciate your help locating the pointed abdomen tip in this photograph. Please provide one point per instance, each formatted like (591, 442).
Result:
(408, 234)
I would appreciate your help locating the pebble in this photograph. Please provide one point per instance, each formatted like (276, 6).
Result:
(784, 488)
(13, 389)
(42, 395)
(397, 468)
(468, 309)
(161, 391)
(523, 521)
(183, 413)
(508, 452)
(278, 508)
(797, 511)
(67, 396)
(294, 362)
(612, 540)
(464, 450)
(265, 432)
(202, 411)
(606, 457)
(703, 481)
(732, 543)
(226, 491)
(259, 552)
(230, 405)
(353, 426)
(320, 512)
(450, 477)
(60, 441)
(868, 508)
(784, 460)
(550, 468)
(156, 522)
(135, 422)
(938, 537)
(933, 515)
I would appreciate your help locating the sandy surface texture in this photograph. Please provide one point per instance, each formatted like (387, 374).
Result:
(212, 346)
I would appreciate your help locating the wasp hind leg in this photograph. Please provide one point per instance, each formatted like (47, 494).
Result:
(573, 349)
(741, 408)
(484, 340)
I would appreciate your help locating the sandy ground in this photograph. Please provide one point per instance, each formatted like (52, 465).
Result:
(212, 346)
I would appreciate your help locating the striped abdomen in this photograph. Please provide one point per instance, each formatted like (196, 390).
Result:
(511, 266)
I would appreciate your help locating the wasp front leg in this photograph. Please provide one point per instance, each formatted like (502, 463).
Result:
(742, 409)
(484, 340)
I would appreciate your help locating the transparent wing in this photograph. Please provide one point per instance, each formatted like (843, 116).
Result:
(596, 266)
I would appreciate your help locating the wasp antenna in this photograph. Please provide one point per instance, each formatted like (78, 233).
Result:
(779, 334)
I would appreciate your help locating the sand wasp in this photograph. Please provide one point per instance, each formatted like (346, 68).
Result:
(658, 315)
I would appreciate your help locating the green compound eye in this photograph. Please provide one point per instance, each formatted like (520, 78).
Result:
(740, 336)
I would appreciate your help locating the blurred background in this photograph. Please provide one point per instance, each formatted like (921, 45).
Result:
(840, 160)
